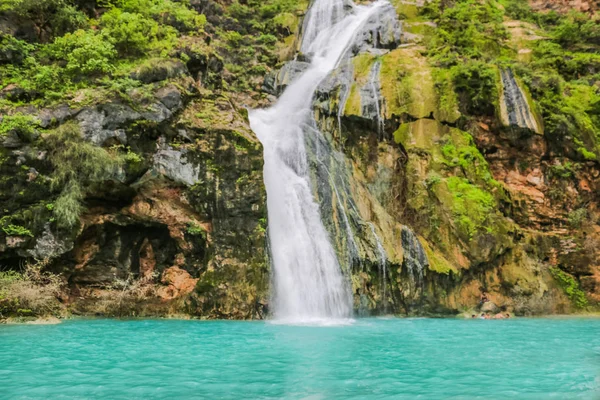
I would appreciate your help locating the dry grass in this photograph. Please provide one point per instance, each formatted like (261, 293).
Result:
(31, 292)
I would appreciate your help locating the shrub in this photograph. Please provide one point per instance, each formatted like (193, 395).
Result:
(13, 50)
(578, 217)
(16, 230)
(130, 33)
(174, 13)
(195, 230)
(476, 85)
(468, 29)
(50, 17)
(86, 52)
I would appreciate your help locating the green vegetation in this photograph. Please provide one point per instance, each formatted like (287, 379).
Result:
(77, 48)
(470, 204)
(16, 230)
(472, 42)
(22, 125)
(195, 230)
(570, 286)
(29, 293)
(78, 165)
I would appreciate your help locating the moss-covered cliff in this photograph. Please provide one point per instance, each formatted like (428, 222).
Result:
(463, 138)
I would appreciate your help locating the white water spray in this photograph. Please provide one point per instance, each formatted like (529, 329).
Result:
(308, 281)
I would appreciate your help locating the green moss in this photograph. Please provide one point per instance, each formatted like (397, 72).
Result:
(21, 124)
(407, 84)
(194, 229)
(459, 150)
(361, 67)
(470, 205)
(571, 287)
(437, 262)
(447, 100)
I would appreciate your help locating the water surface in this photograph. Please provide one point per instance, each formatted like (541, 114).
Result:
(370, 359)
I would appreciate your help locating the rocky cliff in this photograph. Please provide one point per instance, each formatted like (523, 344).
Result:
(453, 153)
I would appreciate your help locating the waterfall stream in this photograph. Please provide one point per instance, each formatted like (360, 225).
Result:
(308, 284)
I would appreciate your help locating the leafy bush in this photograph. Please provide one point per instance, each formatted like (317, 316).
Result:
(51, 18)
(476, 85)
(86, 52)
(468, 29)
(16, 230)
(195, 230)
(174, 13)
(575, 28)
(130, 33)
(13, 50)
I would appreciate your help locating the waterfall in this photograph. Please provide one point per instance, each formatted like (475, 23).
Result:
(322, 15)
(308, 284)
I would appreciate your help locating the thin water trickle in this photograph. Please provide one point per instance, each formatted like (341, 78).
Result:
(308, 281)
(382, 266)
(375, 87)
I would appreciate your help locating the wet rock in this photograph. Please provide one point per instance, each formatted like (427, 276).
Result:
(381, 31)
(157, 112)
(147, 259)
(270, 83)
(415, 259)
(32, 175)
(11, 141)
(515, 110)
(370, 98)
(290, 71)
(14, 92)
(13, 242)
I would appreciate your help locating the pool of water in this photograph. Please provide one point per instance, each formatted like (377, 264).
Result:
(369, 359)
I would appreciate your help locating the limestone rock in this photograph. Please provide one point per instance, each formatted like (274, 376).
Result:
(49, 246)
(174, 164)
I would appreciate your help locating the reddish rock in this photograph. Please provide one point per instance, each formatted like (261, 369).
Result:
(179, 282)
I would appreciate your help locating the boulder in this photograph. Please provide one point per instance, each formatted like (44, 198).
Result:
(489, 307)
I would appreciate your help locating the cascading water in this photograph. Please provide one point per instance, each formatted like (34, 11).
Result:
(322, 15)
(308, 282)
(382, 266)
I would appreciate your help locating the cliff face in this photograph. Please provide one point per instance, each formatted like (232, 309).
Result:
(455, 153)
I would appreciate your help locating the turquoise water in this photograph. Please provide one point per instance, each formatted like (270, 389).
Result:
(370, 359)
